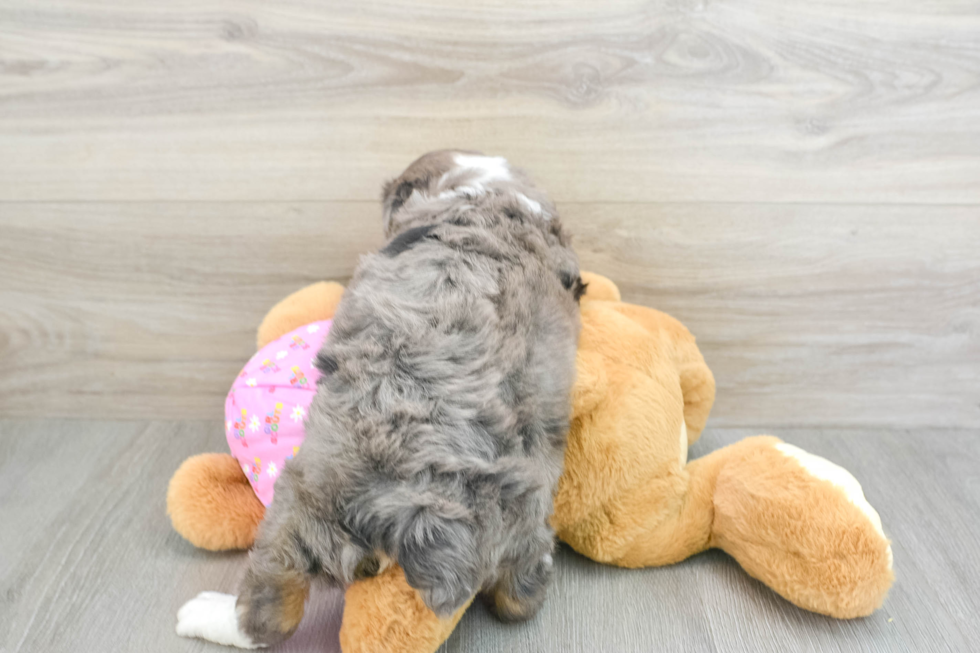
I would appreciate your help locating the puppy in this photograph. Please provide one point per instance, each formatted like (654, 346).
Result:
(436, 436)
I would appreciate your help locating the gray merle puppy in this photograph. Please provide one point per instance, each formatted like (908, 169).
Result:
(436, 437)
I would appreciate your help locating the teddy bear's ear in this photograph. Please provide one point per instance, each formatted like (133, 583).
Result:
(315, 302)
(599, 287)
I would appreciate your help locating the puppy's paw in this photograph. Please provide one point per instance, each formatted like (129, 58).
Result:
(212, 616)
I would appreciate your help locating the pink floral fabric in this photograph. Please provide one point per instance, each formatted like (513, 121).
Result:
(265, 411)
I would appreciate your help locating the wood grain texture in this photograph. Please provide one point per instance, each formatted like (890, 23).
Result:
(672, 100)
(808, 314)
(88, 561)
(130, 310)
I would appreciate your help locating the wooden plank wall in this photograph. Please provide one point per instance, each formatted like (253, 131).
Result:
(799, 182)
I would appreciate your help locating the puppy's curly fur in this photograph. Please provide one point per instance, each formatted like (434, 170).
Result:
(437, 433)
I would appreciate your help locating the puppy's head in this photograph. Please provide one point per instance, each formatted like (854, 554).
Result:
(448, 174)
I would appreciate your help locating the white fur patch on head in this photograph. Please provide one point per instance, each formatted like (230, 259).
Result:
(212, 616)
(843, 479)
(529, 204)
(488, 169)
(492, 168)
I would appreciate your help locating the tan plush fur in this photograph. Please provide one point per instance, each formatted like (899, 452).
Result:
(627, 496)
(310, 304)
(793, 533)
(624, 476)
(599, 287)
(211, 503)
(385, 614)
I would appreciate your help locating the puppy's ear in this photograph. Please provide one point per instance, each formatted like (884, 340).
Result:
(439, 557)
(393, 196)
(386, 188)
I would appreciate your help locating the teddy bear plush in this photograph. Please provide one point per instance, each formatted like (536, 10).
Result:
(628, 495)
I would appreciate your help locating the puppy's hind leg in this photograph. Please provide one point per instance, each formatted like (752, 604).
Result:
(212, 616)
(522, 582)
(268, 608)
(272, 596)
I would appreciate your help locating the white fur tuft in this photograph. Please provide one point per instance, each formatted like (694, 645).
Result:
(531, 205)
(492, 168)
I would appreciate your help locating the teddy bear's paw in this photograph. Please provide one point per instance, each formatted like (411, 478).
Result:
(801, 524)
(825, 470)
(212, 616)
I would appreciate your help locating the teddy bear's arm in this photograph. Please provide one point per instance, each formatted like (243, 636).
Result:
(697, 381)
(698, 387)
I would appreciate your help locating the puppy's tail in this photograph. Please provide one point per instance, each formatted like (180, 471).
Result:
(433, 537)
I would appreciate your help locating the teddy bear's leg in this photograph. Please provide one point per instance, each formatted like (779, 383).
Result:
(802, 526)
(211, 503)
(315, 302)
(672, 516)
(385, 614)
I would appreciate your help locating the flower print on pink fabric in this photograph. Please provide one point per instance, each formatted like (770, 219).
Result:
(267, 405)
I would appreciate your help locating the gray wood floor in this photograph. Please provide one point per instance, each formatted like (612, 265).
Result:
(798, 181)
(88, 561)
